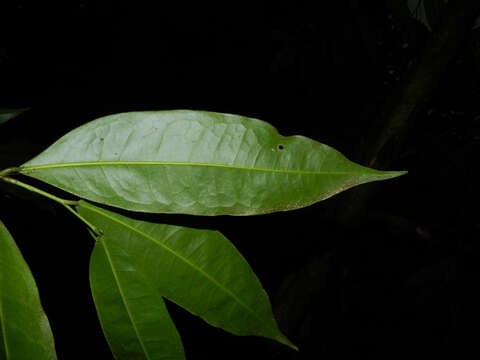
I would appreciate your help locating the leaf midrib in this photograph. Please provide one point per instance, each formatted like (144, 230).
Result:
(122, 295)
(206, 275)
(27, 169)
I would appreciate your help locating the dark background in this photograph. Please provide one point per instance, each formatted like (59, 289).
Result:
(399, 280)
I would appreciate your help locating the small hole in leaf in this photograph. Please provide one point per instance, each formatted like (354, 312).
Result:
(280, 147)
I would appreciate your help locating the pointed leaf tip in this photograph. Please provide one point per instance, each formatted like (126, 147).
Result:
(386, 175)
(282, 339)
(169, 259)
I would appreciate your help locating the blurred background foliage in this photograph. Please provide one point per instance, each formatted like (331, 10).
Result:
(398, 278)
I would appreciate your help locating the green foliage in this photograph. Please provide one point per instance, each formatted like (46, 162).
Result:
(187, 162)
(24, 329)
(199, 270)
(194, 162)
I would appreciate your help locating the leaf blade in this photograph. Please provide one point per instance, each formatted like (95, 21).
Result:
(199, 270)
(20, 304)
(128, 334)
(197, 163)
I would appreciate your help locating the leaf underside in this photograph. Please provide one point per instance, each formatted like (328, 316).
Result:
(200, 270)
(25, 333)
(195, 162)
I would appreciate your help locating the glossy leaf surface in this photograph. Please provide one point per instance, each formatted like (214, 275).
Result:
(195, 162)
(199, 270)
(132, 313)
(25, 333)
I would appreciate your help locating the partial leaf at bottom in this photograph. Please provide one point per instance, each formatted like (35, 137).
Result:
(199, 270)
(131, 311)
(25, 333)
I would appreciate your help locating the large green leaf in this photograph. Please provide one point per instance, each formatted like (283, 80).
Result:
(131, 310)
(195, 162)
(199, 270)
(25, 333)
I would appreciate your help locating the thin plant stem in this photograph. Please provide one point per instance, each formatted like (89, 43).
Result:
(90, 225)
(38, 191)
(65, 203)
(9, 170)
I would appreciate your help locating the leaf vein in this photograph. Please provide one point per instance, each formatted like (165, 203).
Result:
(200, 270)
(27, 169)
(124, 300)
